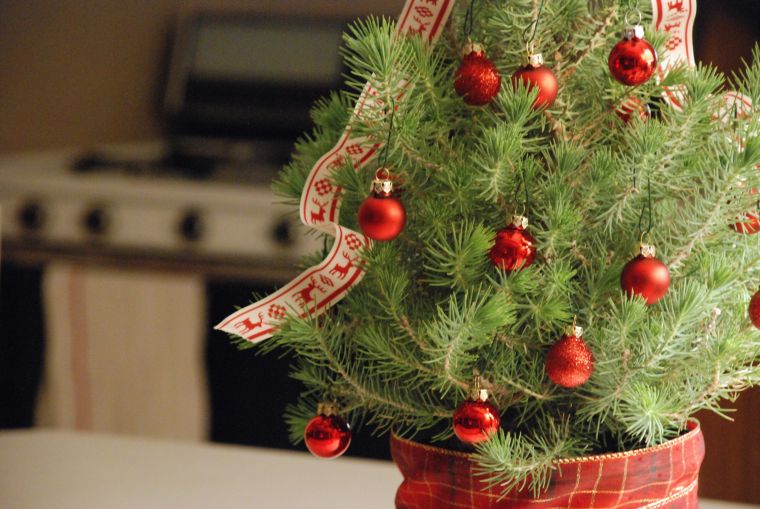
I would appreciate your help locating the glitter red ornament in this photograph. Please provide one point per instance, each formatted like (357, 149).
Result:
(477, 80)
(569, 362)
(476, 419)
(382, 216)
(646, 276)
(327, 435)
(536, 75)
(633, 60)
(754, 309)
(514, 247)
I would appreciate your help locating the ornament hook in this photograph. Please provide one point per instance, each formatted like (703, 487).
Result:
(633, 13)
(382, 173)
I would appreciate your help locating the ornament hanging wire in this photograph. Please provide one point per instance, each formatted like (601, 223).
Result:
(388, 140)
(526, 203)
(468, 20)
(534, 26)
(645, 234)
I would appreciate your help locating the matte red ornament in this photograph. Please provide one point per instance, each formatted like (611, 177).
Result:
(633, 60)
(633, 108)
(477, 80)
(570, 362)
(754, 309)
(536, 75)
(514, 247)
(327, 435)
(646, 276)
(382, 216)
(476, 419)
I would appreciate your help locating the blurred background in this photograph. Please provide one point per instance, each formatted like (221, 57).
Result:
(137, 143)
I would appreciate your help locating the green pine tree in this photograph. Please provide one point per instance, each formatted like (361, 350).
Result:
(399, 352)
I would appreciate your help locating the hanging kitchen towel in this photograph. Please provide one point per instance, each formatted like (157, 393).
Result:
(111, 365)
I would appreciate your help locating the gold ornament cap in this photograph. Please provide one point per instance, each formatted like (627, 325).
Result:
(382, 184)
(518, 221)
(327, 409)
(574, 330)
(647, 250)
(472, 47)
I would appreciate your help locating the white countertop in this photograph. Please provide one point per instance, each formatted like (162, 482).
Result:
(62, 470)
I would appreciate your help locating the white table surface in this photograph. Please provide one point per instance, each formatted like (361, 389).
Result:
(61, 470)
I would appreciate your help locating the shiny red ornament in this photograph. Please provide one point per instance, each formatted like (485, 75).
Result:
(477, 80)
(570, 362)
(646, 276)
(633, 60)
(327, 435)
(476, 419)
(514, 247)
(754, 309)
(633, 108)
(382, 216)
(536, 75)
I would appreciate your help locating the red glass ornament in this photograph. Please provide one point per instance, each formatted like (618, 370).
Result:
(646, 276)
(536, 75)
(569, 362)
(514, 247)
(477, 80)
(382, 216)
(633, 60)
(754, 309)
(476, 419)
(633, 108)
(327, 435)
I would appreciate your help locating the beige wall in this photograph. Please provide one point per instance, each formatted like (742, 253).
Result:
(81, 72)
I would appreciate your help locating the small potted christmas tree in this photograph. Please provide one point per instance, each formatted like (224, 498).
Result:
(543, 260)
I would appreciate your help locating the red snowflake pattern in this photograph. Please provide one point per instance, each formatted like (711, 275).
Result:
(276, 311)
(353, 241)
(323, 187)
(354, 149)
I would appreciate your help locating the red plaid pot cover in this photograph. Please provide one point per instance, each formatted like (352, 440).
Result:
(661, 476)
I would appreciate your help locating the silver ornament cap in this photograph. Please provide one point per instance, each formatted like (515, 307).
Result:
(535, 60)
(518, 221)
(478, 394)
(633, 32)
(574, 331)
(647, 250)
(382, 186)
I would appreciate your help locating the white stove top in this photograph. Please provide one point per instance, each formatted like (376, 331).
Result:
(48, 208)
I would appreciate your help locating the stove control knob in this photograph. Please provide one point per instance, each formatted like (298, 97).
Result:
(31, 216)
(191, 227)
(282, 232)
(96, 220)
